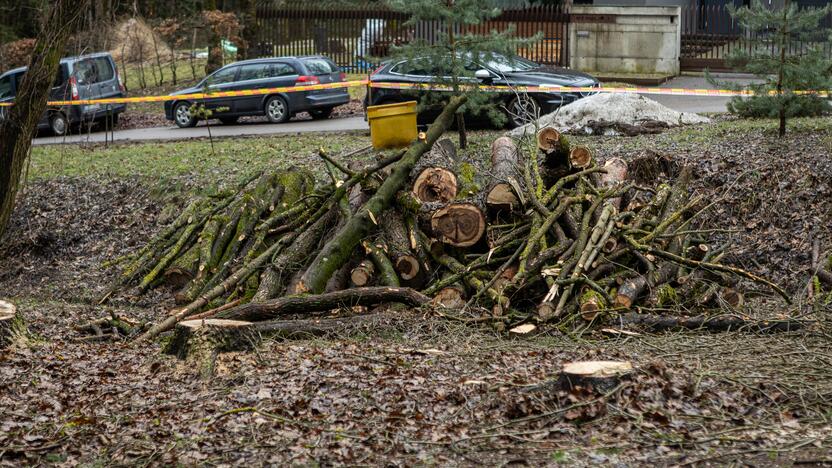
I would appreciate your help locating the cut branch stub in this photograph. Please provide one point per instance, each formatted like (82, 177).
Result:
(458, 224)
(601, 376)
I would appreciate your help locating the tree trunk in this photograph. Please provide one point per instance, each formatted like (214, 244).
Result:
(399, 249)
(276, 308)
(16, 131)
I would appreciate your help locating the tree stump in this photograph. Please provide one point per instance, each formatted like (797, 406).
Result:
(600, 376)
(12, 326)
(199, 342)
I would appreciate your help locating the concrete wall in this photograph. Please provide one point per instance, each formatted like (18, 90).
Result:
(627, 39)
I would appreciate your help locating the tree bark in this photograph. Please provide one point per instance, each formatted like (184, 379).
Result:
(600, 376)
(321, 302)
(16, 131)
(198, 342)
(504, 193)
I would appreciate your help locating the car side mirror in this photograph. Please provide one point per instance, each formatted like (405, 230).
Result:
(483, 74)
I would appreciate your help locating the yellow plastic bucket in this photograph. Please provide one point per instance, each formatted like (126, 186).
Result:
(392, 125)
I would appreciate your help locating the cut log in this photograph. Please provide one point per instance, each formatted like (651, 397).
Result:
(616, 172)
(580, 157)
(306, 328)
(716, 324)
(633, 288)
(363, 274)
(591, 304)
(549, 140)
(458, 224)
(315, 303)
(198, 342)
(12, 326)
(396, 237)
(600, 376)
(435, 179)
(341, 245)
(697, 252)
(732, 297)
(504, 192)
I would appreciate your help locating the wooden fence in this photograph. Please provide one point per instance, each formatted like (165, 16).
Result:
(356, 39)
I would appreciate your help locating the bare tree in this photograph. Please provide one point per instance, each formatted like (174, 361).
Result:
(62, 18)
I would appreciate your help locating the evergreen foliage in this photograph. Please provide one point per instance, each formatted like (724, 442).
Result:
(450, 47)
(786, 54)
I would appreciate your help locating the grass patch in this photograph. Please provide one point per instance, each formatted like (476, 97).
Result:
(233, 159)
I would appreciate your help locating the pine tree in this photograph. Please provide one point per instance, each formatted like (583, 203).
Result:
(450, 50)
(786, 54)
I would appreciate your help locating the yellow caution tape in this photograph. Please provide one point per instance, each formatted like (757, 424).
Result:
(418, 87)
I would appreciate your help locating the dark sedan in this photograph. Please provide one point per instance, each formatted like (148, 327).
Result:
(275, 72)
(496, 70)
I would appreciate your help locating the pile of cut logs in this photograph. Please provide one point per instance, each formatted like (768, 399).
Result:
(544, 235)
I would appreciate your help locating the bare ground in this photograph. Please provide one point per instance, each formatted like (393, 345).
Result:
(412, 388)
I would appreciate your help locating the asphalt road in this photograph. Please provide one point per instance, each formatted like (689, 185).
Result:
(679, 103)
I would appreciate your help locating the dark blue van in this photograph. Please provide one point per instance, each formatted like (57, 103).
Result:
(84, 77)
(274, 72)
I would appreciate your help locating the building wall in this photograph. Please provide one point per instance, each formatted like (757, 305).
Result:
(623, 39)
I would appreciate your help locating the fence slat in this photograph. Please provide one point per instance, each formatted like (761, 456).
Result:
(290, 29)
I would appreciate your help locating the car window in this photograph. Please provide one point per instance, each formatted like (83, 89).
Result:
(318, 66)
(93, 70)
(226, 75)
(282, 69)
(254, 71)
(418, 68)
(6, 88)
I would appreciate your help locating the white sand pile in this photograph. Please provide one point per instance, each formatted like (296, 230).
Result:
(627, 109)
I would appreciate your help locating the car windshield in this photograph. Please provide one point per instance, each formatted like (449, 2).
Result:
(503, 64)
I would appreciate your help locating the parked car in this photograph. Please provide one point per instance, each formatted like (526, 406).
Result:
(93, 76)
(265, 73)
(497, 70)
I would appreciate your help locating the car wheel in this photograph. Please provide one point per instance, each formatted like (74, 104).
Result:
(320, 114)
(277, 111)
(521, 110)
(229, 120)
(182, 115)
(58, 123)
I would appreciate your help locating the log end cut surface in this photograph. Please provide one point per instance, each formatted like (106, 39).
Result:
(460, 224)
(548, 139)
(502, 197)
(435, 184)
(7, 310)
(580, 157)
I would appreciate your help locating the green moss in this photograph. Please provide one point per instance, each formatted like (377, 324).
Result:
(467, 180)
(666, 295)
